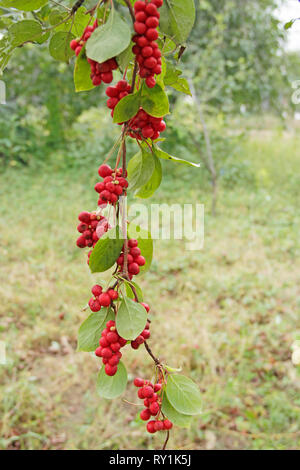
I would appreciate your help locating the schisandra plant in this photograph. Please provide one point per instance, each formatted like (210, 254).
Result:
(141, 44)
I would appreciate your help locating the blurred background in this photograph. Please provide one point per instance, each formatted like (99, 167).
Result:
(229, 314)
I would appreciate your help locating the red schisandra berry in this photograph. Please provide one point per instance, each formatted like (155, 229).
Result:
(152, 401)
(91, 228)
(100, 72)
(113, 185)
(110, 344)
(146, 50)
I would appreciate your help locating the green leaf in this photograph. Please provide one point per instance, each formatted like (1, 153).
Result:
(91, 329)
(125, 57)
(177, 18)
(82, 73)
(109, 40)
(155, 101)
(112, 387)
(179, 419)
(289, 24)
(24, 5)
(165, 156)
(145, 243)
(131, 319)
(154, 182)
(106, 251)
(59, 46)
(129, 292)
(24, 31)
(127, 108)
(184, 395)
(172, 78)
(140, 168)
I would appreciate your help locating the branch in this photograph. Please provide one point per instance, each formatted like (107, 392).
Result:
(157, 361)
(130, 10)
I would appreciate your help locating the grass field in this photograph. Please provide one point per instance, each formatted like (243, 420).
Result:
(227, 314)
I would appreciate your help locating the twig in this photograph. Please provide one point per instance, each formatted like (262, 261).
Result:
(130, 10)
(157, 361)
(166, 441)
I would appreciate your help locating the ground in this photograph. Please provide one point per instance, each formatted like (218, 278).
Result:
(227, 314)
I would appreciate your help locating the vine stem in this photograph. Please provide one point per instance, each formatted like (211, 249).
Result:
(166, 441)
(130, 10)
(148, 349)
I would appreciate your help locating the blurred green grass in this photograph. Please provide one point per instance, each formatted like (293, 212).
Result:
(227, 314)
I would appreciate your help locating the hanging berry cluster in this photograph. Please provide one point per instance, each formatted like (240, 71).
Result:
(117, 314)
(113, 185)
(99, 72)
(148, 54)
(91, 227)
(134, 259)
(152, 396)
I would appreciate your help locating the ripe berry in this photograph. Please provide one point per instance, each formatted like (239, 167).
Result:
(145, 414)
(147, 391)
(96, 290)
(151, 9)
(104, 299)
(158, 426)
(151, 427)
(154, 408)
(138, 382)
(132, 243)
(110, 370)
(112, 337)
(104, 170)
(167, 424)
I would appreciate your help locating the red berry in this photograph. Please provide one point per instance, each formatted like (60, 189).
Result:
(140, 260)
(151, 34)
(145, 334)
(107, 77)
(104, 170)
(150, 427)
(110, 370)
(132, 243)
(112, 337)
(158, 426)
(147, 391)
(152, 22)
(167, 424)
(104, 299)
(97, 290)
(140, 28)
(145, 414)
(139, 382)
(157, 387)
(94, 305)
(134, 268)
(147, 51)
(154, 408)
(113, 361)
(135, 251)
(84, 217)
(103, 342)
(158, 3)
(113, 294)
(141, 393)
(107, 353)
(112, 92)
(115, 347)
(73, 44)
(98, 351)
(139, 6)
(141, 17)
(151, 9)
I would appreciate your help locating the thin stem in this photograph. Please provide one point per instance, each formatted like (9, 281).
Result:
(157, 361)
(166, 441)
(124, 215)
(130, 10)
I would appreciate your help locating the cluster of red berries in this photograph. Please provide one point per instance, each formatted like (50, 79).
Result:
(99, 72)
(144, 125)
(101, 299)
(116, 93)
(145, 334)
(134, 259)
(109, 349)
(152, 400)
(148, 54)
(112, 186)
(91, 227)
